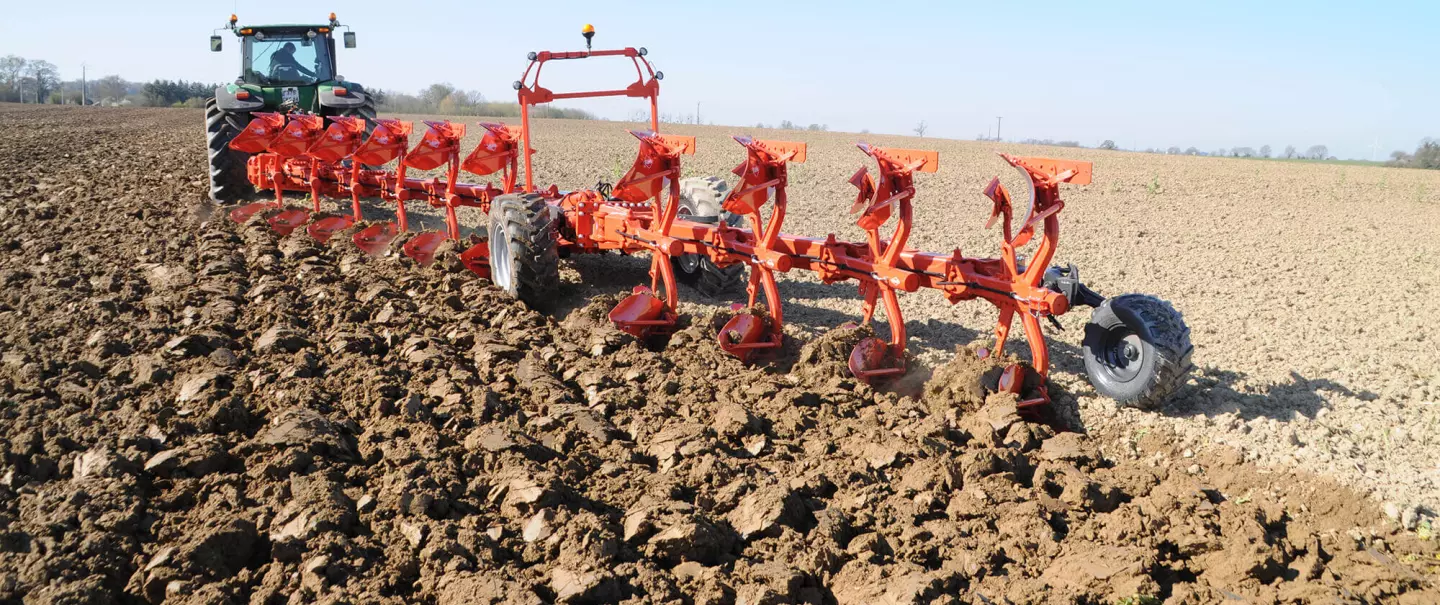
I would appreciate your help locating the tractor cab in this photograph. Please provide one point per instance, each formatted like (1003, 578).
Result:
(287, 67)
(283, 68)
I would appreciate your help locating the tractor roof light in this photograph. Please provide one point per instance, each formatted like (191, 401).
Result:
(247, 31)
(233, 20)
(340, 79)
(589, 32)
(333, 21)
(259, 35)
(310, 34)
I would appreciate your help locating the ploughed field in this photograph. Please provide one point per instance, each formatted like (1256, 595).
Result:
(197, 411)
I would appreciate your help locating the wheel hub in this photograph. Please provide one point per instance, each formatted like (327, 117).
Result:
(1124, 355)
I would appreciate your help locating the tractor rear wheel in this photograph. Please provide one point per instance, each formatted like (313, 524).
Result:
(523, 258)
(228, 182)
(700, 201)
(1137, 350)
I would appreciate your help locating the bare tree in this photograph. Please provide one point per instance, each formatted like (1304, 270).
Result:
(111, 87)
(44, 77)
(1289, 152)
(920, 129)
(12, 67)
(1317, 152)
(434, 94)
(1173, 150)
(1192, 151)
(1264, 151)
(1108, 144)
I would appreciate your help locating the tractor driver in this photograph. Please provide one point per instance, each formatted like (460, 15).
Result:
(284, 60)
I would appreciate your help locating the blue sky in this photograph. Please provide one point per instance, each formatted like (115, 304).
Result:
(1145, 74)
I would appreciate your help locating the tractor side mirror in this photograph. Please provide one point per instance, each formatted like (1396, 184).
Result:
(349, 39)
(215, 44)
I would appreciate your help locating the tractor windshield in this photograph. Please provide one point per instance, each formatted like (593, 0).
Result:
(292, 58)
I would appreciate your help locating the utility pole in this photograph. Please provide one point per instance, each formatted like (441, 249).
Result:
(84, 86)
(997, 126)
(697, 114)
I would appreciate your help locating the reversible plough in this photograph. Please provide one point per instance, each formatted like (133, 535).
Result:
(1138, 354)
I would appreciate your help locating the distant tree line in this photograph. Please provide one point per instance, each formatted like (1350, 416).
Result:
(1316, 152)
(27, 81)
(445, 99)
(788, 125)
(1426, 156)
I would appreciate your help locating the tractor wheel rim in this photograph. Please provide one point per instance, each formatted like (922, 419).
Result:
(1123, 355)
(500, 261)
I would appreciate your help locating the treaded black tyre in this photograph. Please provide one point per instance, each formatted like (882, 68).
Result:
(523, 259)
(700, 201)
(1137, 350)
(227, 167)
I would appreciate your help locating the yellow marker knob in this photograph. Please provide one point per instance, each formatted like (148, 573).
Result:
(588, 29)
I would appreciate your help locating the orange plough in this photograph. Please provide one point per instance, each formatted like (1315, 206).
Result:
(1137, 348)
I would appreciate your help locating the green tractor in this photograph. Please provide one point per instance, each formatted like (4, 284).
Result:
(283, 68)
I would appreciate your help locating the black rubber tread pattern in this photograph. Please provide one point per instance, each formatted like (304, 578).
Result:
(701, 198)
(1164, 335)
(525, 219)
(228, 183)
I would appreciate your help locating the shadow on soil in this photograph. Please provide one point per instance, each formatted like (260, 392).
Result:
(1215, 391)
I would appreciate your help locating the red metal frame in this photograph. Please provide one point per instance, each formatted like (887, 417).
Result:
(641, 215)
(532, 93)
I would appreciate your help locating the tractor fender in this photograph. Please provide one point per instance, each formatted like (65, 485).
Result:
(226, 101)
(354, 96)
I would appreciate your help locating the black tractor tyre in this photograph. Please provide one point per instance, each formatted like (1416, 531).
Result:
(700, 201)
(1137, 350)
(523, 259)
(228, 183)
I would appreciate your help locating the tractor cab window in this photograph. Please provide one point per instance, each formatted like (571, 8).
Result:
(287, 58)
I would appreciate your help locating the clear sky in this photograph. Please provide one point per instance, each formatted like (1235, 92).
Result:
(1145, 74)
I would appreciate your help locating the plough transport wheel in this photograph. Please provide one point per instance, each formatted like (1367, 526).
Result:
(1137, 350)
(523, 259)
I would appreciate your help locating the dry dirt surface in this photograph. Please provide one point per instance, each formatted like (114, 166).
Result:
(197, 411)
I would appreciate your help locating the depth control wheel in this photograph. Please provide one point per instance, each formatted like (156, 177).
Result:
(1137, 350)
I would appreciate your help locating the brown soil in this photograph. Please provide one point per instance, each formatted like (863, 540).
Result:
(195, 411)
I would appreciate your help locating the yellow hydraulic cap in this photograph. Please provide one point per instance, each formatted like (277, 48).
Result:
(589, 32)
